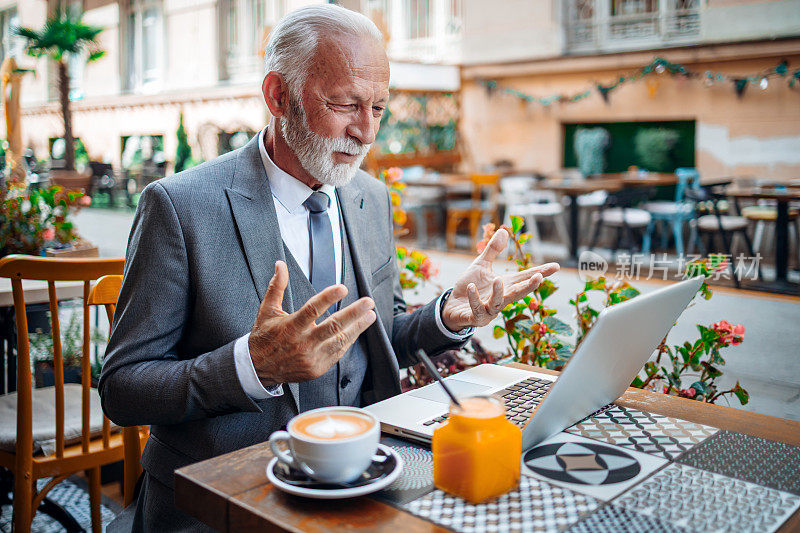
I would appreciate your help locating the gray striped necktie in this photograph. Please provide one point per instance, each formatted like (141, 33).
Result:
(323, 267)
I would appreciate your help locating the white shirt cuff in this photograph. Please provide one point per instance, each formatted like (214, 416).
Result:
(456, 336)
(247, 372)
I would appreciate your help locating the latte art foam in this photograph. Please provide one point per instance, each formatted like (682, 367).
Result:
(332, 425)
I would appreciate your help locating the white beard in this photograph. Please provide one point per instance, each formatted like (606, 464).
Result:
(315, 152)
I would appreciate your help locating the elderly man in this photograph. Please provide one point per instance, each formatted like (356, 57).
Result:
(264, 283)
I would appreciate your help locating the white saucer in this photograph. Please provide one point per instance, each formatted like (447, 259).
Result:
(344, 492)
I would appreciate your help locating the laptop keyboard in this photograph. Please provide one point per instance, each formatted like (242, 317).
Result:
(520, 399)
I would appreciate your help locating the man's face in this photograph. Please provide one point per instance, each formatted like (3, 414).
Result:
(337, 118)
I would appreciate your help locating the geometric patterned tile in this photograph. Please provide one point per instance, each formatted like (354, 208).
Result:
(704, 501)
(533, 506)
(613, 519)
(600, 470)
(656, 434)
(769, 463)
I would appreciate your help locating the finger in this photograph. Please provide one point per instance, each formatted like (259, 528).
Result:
(338, 344)
(496, 298)
(342, 319)
(475, 302)
(521, 289)
(277, 285)
(496, 245)
(316, 305)
(545, 270)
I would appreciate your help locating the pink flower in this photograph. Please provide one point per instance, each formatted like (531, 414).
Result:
(691, 392)
(49, 234)
(85, 201)
(394, 174)
(428, 268)
(723, 327)
(542, 329)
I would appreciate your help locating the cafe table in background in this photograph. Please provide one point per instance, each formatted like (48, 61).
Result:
(713, 463)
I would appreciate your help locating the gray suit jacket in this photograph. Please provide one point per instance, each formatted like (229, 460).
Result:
(200, 256)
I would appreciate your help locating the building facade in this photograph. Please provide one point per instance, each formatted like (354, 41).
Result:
(204, 59)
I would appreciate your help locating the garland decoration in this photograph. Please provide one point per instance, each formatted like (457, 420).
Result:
(657, 66)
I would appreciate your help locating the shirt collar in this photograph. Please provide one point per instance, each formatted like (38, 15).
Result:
(288, 190)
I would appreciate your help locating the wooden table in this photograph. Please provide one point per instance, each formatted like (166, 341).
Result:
(607, 182)
(231, 492)
(782, 196)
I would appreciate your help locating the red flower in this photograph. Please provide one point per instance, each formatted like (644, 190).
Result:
(49, 234)
(534, 305)
(542, 328)
(85, 201)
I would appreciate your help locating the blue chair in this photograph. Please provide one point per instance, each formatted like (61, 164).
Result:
(671, 215)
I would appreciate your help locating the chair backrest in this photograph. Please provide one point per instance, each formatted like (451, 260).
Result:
(485, 186)
(51, 270)
(687, 177)
(106, 293)
(517, 189)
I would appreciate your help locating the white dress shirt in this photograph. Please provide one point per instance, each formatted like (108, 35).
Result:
(288, 194)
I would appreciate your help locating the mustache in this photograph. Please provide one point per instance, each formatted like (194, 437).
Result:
(347, 145)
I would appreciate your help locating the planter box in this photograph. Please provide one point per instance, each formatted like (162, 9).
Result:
(70, 179)
(44, 374)
(85, 249)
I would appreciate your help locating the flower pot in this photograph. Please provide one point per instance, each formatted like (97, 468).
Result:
(81, 249)
(70, 179)
(44, 374)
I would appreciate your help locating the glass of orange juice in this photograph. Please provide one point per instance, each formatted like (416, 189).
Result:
(476, 454)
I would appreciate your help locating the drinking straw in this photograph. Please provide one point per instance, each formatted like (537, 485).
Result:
(435, 373)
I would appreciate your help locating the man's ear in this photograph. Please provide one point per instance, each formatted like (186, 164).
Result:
(276, 93)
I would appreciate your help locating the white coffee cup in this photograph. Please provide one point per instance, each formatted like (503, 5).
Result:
(330, 444)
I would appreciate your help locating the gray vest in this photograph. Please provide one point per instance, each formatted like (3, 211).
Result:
(341, 384)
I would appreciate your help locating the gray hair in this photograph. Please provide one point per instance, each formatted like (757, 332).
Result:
(293, 42)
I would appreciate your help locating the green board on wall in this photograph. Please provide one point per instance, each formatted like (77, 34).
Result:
(621, 152)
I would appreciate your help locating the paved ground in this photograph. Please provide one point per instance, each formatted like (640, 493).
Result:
(767, 364)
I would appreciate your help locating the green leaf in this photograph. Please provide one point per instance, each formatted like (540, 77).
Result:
(546, 288)
(498, 332)
(556, 325)
(524, 238)
(582, 297)
(712, 371)
(516, 224)
(564, 350)
(674, 380)
(742, 394)
(598, 284)
(700, 387)
(637, 382)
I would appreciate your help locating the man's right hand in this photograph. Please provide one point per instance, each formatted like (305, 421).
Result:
(290, 348)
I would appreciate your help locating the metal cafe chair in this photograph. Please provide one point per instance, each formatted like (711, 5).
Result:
(715, 225)
(620, 212)
(59, 430)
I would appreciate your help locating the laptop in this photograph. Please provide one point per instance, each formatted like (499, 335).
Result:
(622, 339)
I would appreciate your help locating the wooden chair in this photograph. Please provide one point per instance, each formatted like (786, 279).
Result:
(483, 201)
(106, 293)
(95, 442)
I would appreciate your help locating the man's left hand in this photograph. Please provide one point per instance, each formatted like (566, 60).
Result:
(479, 294)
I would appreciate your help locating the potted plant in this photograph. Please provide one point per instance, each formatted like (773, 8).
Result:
(655, 147)
(590, 149)
(41, 346)
(64, 34)
(32, 220)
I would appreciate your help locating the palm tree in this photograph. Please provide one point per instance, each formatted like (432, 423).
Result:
(64, 34)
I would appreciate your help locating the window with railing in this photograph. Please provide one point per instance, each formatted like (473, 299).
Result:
(11, 44)
(603, 25)
(417, 29)
(244, 27)
(144, 45)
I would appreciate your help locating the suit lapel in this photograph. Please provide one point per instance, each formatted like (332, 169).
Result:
(253, 212)
(383, 364)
